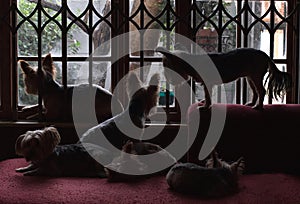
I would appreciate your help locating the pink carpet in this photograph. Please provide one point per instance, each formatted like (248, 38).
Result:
(15, 188)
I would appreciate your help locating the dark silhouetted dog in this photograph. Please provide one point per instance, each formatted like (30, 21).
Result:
(217, 179)
(130, 124)
(243, 62)
(53, 94)
(47, 158)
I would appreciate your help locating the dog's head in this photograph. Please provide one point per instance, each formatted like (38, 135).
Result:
(236, 168)
(32, 75)
(143, 100)
(175, 68)
(37, 145)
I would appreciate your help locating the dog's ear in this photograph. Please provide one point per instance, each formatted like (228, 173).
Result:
(18, 145)
(48, 65)
(153, 87)
(53, 135)
(133, 84)
(127, 147)
(50, 138)
(214, 161)
(25, 67)
(238, 167)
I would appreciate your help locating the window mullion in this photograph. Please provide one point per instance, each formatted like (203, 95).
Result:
(40, 82)
(121, 67)
(14, 66)
(293, 50)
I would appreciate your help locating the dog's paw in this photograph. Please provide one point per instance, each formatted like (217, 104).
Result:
(34, 172)
(204, 108)
(258, 107)
(202, 101)
(21, 170)
(27, 108)
(30, 167)
(251, 104)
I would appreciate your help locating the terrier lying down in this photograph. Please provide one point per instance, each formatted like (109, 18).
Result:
(47, 158)
(217, 179)
(131, 162)
(52, 94)
(243, 62)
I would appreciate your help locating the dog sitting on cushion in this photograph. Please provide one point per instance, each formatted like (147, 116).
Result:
(130, 124)
(47, 158)
(53, 95)
(243, 62)
(217, 179)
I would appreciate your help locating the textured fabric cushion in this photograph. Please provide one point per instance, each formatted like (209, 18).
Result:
(268, 139)
(16, 188)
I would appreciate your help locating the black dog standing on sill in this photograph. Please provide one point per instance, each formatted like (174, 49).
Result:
(243, 62)
(53, 94)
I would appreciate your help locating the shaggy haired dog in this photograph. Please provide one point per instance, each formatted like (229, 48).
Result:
(47, 158)
(244, 62)
(217, 179)
(53, 94)
(128, 125)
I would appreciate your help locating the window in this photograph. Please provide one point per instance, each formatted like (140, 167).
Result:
(264, 25)
(72, 30)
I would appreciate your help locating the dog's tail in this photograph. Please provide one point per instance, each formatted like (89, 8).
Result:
(278, 82)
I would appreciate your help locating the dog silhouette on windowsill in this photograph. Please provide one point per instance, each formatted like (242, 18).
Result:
(243, 62)
(130, 124)
(53, 94)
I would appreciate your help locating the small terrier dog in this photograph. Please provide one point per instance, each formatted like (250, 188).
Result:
(53, 94)
(47, 158)
(243, 62)
(130, 124)
(217, 179)
(131, 161)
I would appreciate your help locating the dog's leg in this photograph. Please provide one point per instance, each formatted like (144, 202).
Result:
(34, 172)
(259, 87)
(33, 108)
(255, 95)
(207, 92)
(30, 167)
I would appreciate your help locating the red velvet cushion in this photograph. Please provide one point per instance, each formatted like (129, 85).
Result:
(268, 139)
(15, 188)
